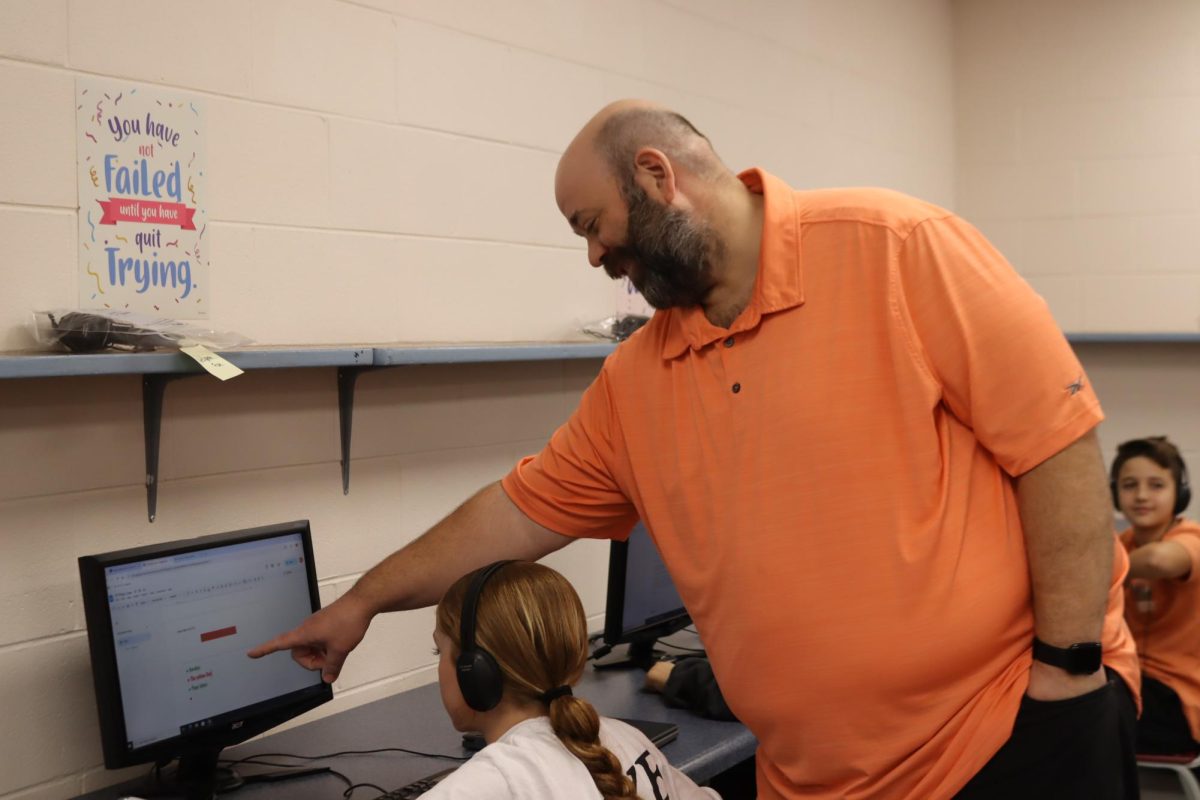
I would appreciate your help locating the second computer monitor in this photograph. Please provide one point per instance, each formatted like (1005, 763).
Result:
(642, 603)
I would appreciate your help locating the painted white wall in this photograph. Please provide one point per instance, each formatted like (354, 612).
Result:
(1079, 153)
(428, 132)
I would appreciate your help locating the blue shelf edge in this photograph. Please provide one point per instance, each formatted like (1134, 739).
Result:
(1133, 338)
(53, 365)
(396, 355)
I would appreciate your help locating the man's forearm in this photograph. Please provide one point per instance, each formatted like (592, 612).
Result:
(1064, 507)
(486, 528)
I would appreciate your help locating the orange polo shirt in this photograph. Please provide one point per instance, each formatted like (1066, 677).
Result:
(828, 482)
(1168, 632)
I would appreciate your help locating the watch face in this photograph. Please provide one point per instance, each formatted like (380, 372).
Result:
(1084, 658)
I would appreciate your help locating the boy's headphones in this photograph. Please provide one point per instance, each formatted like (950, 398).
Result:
(479, 676)
(1183, 486)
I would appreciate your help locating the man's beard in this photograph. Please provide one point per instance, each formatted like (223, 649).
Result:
(667, 253)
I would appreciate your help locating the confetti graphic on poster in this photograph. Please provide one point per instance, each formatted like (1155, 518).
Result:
(140, 164)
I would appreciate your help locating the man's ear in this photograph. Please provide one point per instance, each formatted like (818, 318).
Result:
(655, 175)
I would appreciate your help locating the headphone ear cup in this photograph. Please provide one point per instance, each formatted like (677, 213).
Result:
(1183, 496)
(479, 679)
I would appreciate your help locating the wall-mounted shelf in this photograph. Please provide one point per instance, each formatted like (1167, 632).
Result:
(54, 365)
(1133, 338)
(159, 369)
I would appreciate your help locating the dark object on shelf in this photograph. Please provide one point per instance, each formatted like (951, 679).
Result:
(624, 327)
(81, 332)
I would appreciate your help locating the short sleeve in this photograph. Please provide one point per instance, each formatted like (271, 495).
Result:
(571, 486)
(991, 345)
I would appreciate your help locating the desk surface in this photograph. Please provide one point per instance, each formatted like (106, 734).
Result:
(415, 720)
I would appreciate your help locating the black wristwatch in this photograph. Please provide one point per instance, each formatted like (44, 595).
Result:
(1081, 658)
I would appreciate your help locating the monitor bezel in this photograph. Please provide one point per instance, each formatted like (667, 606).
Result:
(615, 631)
(232, 728)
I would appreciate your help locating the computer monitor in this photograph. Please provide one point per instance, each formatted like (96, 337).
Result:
(168, 629)
(642, 604)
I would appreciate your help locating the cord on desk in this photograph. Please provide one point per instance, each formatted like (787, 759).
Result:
(661, 643)
(330, 770)
(249, 759)
(352, 788)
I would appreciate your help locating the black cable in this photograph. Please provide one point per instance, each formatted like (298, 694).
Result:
(349, 782)
(232, 762)
(681, 647)
(352, 788)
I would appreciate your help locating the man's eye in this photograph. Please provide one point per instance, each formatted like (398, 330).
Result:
(436, 651)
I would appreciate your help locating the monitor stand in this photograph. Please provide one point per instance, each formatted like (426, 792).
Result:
(639, 654)
(198, 776)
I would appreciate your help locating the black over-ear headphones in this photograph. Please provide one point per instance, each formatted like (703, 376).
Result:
(1183, 489)
(479, 676)
(1183, 486)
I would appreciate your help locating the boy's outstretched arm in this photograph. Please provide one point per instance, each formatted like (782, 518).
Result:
(486, 528)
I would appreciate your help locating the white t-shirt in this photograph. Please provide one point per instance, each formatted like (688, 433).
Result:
(530, 763)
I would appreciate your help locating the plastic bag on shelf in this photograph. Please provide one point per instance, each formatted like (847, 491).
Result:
(616, 329)
(94, 330)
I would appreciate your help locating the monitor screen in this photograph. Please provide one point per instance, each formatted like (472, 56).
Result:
(642, 603)
(168, 630)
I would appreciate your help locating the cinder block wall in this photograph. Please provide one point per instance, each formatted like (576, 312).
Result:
(378, 171)
(1078, 154)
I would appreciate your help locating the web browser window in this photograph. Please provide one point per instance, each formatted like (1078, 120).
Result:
(182, 625)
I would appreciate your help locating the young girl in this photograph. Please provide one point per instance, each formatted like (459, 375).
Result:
(1162, 599)
(543, 742)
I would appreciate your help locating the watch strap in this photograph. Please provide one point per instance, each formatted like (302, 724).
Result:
(1081, 658)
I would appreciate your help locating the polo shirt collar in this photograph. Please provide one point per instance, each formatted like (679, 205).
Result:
(779, 284)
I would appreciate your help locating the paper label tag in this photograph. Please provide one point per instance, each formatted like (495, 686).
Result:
(213, 363)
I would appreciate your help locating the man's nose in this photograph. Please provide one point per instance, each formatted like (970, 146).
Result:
(596, 252)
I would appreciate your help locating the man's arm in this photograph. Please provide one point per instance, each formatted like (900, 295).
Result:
(486, 528)
(1064, 506)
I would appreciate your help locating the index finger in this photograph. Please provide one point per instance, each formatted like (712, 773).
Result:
(284, 641)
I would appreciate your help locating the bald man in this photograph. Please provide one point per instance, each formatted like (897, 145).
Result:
(867, 456)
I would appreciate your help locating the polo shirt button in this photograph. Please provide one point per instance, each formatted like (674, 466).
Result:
(737, 387)
(729, 342)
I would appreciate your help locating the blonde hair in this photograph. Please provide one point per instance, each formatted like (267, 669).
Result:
(531, 620)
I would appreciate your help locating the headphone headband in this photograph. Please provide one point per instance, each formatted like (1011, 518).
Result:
(471, 603)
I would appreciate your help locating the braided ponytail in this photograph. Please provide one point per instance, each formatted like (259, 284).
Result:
(577, 726)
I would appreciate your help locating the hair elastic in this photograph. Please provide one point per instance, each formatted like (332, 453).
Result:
(555, 693)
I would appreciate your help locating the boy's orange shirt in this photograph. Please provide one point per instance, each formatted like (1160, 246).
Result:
(828, 481)
(1168, 631)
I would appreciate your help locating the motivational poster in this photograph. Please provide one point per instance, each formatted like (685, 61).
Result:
(142, 218)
